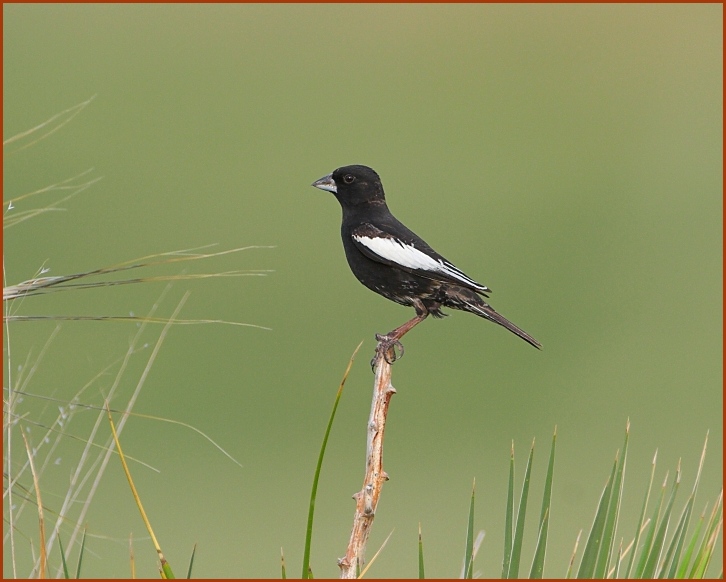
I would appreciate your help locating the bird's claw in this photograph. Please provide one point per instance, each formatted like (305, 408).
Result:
(385, 346)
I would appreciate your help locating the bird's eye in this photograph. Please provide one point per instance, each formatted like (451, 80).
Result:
(349, 178)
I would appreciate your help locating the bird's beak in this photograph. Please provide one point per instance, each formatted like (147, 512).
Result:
(326, 183)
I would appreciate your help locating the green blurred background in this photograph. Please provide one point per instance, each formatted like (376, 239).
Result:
(568, 156)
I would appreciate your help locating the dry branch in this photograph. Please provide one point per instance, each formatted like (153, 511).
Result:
(367, 498)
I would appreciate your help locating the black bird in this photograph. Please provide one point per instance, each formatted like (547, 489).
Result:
(393, 261)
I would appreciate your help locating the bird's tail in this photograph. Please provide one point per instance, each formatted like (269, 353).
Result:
(482, 309)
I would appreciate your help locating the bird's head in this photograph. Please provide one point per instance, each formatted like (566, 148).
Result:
(353, 185)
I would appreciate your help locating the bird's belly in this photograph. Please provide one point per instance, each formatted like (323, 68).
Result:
(390, 290)
(399, 286)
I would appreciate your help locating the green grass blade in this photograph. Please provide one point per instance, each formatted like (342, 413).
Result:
(469, 554)
(703, 556)
(521, 514)
(80, 553)
(167, 572)
(421, 573)
(611, 522)
(641, 521)
(282, 565)
(602, 545)
(670, 562)
(686, 559)
(675, 567)
(313, 494)
(63, 559)
(540, 549)
(537, 570)
(650, 533)
(191, 561)
(713, 538)
(508, 527)
(547, 496)
(594, 539)
(659, 538)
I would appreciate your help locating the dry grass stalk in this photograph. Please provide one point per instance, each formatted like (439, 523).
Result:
(41, 519)
(367, 498)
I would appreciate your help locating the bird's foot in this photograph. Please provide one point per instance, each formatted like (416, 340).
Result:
(387, 348)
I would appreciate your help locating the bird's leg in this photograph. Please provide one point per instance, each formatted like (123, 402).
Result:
(389, 342)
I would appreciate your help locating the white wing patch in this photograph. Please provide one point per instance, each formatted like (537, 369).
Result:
(410, 257)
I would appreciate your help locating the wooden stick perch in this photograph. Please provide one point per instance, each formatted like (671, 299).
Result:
(367, 498)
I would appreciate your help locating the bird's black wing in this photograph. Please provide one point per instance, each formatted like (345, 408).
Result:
(409, 253)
